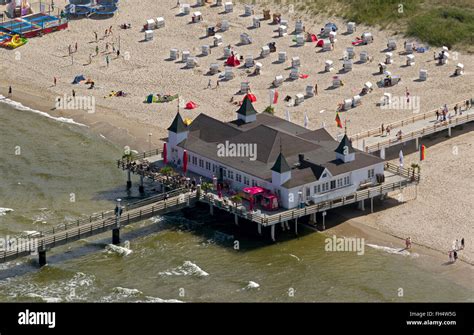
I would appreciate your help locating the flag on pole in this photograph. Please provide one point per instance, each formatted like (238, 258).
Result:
(288, 117)
(338, 120)
(400, 158)
(306, 120)
(275, 96)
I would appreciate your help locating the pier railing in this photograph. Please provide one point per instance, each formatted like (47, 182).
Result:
(453, 122)
(401, 123)
(141, 155)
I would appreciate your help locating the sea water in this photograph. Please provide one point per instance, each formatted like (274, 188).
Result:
(55, 171)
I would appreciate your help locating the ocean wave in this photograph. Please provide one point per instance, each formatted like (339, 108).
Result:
(156, 299)
(19, 106)
(122, 251)
(395, 251)
(127, 292)
(251, 285)
(4, 211)
(187, 269)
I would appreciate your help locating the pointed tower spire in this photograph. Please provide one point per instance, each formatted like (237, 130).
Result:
(177, 126)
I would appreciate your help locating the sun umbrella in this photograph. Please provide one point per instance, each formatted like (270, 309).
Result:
(185, 161)
(165, 153)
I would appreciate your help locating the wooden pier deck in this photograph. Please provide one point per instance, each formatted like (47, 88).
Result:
(94, 225)
(412, 128)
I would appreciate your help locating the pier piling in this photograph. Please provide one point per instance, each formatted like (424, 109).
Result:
(273, 233)
(129, 179)
(259, 227)
(42, 257)
(116, 236)
(141, 188)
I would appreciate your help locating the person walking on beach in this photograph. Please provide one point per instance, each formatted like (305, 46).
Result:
(10, 91)
(118, 53)
(69, 49)
(73, 93)
(96, 50)
(107, 60)
(315, 89)
(209, 84)
(55, 81)
(462, 243)
(408, 243)
(450, 254)
(456, 109)
(407, 94)
(96, 37)
(217, 84)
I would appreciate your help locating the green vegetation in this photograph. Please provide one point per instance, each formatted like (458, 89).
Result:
(269, 110)
(436, 22)
(167, 171)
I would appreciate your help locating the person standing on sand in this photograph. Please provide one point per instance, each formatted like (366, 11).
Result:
(383, 129)
(455, 254)
(10, 91)
(407, 94)
(96, 50)
(217, 84)
(118, 53)
(96, 37)
(209, 84)
(73, 93)
(107, 60)
(316, 89)
(55, 81)
(437, 115)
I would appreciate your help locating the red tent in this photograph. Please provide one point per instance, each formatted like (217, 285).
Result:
(251, 96)
(191, 105)
(232, 61)
(314, 38)
(185, 161)
(320, 43)
(304, 76)
(165, 154)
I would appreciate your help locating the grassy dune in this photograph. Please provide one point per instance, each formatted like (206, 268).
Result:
(436, 22)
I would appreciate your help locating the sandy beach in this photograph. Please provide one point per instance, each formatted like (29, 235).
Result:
(442, 211)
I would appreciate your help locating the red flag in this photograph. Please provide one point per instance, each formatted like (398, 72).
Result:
(185, 161)
(422, 152)
(338, 120)
(165, 153)
(275, 97)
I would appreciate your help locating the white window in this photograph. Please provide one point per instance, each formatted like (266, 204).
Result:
(246, 181)
(230, 174)
(339, 182)
(208, 166)
(224, 173)
(238, 177)
(347, 180)
(371, 173)
(195, 161)
(201, 163)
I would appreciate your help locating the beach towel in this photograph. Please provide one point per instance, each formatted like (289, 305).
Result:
(304, 76)
(149, 99)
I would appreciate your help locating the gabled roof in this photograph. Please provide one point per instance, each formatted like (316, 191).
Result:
(247, 107)
(281, 165)
(177, 126)
(345, 143)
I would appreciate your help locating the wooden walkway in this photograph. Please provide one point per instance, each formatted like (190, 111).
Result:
(67, 233)
(412, 128)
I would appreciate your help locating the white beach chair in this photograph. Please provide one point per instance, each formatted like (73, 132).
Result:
(410, 60)
(228, 73)
(347, 104)
(248, 10)
(367, 38)
(245, 39)
(224, 25)
(351, 27)
(459, 69)
(244, 87)
(332, 37)
(174, 54)
(256, 22)
(300, 40)
(350, 52)
(347, 65)
(191, 62)
(282, 31)
(227, 52)
(391, 44)
(160, 22)
(258, 68)
(364, 56)
(309, 90)
(205, 50)
(185, 9)
(228, 7)
(282, 57)
(150, 24)
(265, 51)
(423, 74)
(214, 68)
(336, 81)
(388, 58)
(299, 99)
(356, 100)
(295, 62)
(294, 73)
(299, 27)
(278, 81)
(149, 35)
(327, 46)
(328, 66)
(217, 40)
(185, 55)
(249, 61)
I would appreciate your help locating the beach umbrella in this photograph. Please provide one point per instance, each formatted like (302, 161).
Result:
(306, 120)
(185, 161)
(400, 158)
(273, 96)
(191, 105)
(165, 153)
(288, 117)
(251, 97)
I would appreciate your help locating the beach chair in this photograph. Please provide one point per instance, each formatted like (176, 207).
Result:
(256, 22)
(347, 65)
(392, 44)
(245, 38)
(227, 52)
(248, 10)
(327, 46)
(300, 40)
(388, 58)
(276, 18)
(205, 50)
(249, 62)
(278, 81)
(228, 7)
(367, 88)
(282, 31)
(356, 101)
(294, 73)
(328, 66)
(332, 36)
(350, 52)
(185, 9)
(410, 60)
(174, 54)
(347, 104)
(217, 40)
(409, 47)
(423, 74)
(367, 38)
(199, 3)
(295, 62)
(218, 3)
(445, 58)
(149, 35)
(265, 51)
(160, 22)
(299, 99)
(258, 68)
(244, 87)
(214, 68)
(224, 26)
(197, 17)
(299, 27)
(150, 24)
(282, 57)
(459, 69)
(351, 27)
(364, 56)
(191, 62)
(228, 73)
(310, 91)
(185, 55)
